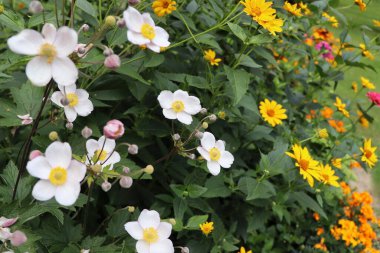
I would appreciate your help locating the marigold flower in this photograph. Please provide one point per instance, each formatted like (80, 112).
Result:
(320, 231)
(345, 188)
(272, 112)
(327, 175)
(369, 156)
(321, 245)
(163, 7)
(359, 198)
(367, 83)
(207, 227)
(338, 125)
(327, 112)
(293, 9)
(316, 216)
(210, 56)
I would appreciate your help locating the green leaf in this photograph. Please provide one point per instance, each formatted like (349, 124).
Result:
(216, 188)
(307, 202)
(37, 210)
(87, 7)
(12, 21)
(179, 206)
(239, 81)
(194, 222)
(195, 191)
(238, 31)
(256, 189)
(153, 60)
(260, 39)
(128, 70)
(247, 61)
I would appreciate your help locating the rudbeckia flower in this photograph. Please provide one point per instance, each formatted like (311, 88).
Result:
(143, 31)
(179, 105)
(369, 153)
(74, 101)
(215, 154)
(151, 234)
(59, 174)
(272, 112)
(102, 152)
(51, 49)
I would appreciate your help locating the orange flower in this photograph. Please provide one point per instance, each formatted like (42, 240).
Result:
(311, 115)
(322, 34)
(327, 112)
(316, 216)
(358, 198)
(320, 231)
(345, 188)
(355, 164)
(338, 125)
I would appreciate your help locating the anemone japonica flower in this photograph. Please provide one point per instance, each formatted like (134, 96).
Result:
(51, 49)
(179, 105)
(143, 31)
(102, 152)
(215, 154)
(151, 234)
(74, 101)
(59, 174)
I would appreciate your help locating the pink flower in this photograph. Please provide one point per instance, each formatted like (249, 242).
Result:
(326, 49)
(18, 238)
(26, 119)
(114, 129)
(374, 97)
(5, 222)
(34, 154)
(112, 61)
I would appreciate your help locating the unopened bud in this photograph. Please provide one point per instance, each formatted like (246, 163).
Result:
(222, 115)
(172, 221)
(192, 156)
(106, 186)
(112, 61)
(133, 2)
(126, 170)
(185, 250)
(131, 209)
(53, 136)
(203, 111)
(176, 137)
(84, 251)
(204, 125)
(107, 51)
(34, 154)
(81, 50)
(85, 28)
(96, 168)
(69, 125)
(133, 149)
(212, 118)
(35, 7)
(110, 21)
(86, 132)
(18, 238)
(126, 182)
(121, 23)
(114, 129)
(149, 169)
(198, 134)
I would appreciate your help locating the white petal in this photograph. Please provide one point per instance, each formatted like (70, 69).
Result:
(137, 38)
(147, 19)
(142, 247)
(220, 145)
(113, 159)
(169, 113)
(76, 171)
(161, 38)
(91, 146)
(39, 167)
(27, 42)
(164, 230)
(192, 105)
(213, 167)
(49, 32)
(68, 193)
(180, 95)
(109, 144)
(70, 113)
(64, 71)
(165, 99)
(134, 229)
(153, 47)
(59, 154)
(84, 108)
(82, 94)
(208, 141)
(226, 159)
(56, 98)
(72, 88)
(204, 153)
(65, 41)
(149, 219)
(133, 19)
(39, 71)
(162, 246)
(184, 118)
(43, 190)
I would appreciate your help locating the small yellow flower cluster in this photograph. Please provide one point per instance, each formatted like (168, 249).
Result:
(367, 83)
(334, 22)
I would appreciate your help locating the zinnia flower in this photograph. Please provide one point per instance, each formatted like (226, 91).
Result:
(163, 7)
(272, 112)
(369, 155)
(143, 31)
(210, 56)
(59, 174)
(374, 97)
(51, 49)
(102, 152)
(215, 154)
(179, 105)
(151, 234)
(74, 101)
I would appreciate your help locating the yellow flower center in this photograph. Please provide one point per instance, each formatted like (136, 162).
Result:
(214, 154)
(49, 51)
(178, 106)
(58, 176)
(271, 112)
(368, 153)
(100, 155)
(304, 164)
(325, 177)
(150, 235)
(73, 99)
(148, 31)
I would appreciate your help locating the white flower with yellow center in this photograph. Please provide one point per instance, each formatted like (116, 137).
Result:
(143, 31)
(74, 101)
(151, 234)
(214, 153)
(102, 152)
(59, 174)
(179, 105)
(51, 49)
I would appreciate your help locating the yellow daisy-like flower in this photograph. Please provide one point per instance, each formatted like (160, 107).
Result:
(367, 83)
(327, 176)
(242, 250)
(322, 133)
(293, 9)
(354, 87)
(334, 22)
(272, 112)
(337, 162)
(273, 26)
(309, 168)
(366, 52)
(163, 7)
(210, 56)
(376, 22)
(305, 8)
(207, 227)
(362, 120)
(361, 4)
(341, 107)
(259, 10)
(369, 156)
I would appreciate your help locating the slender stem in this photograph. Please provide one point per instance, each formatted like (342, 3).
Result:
(56, 12)
(63, 11)
(88, 205)
(72, 13)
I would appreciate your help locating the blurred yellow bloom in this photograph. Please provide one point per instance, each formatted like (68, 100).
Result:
(321, 245)
(207, 227)
(341, 107)
(363, 120)
(365, 52)
(210, 56)
(354, 86)
(361, 4)
(334, 22)
(322, 133)
(273, 25)
(367, 83)
(163, 7)
(369, 156)
(376, 22)
(242, 250)
(305, 8)
(337, 162)
(272, 112)
(293, 9)
(327, 176)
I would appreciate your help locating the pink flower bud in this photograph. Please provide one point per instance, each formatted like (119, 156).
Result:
(5, 222)
(18, 238)
(86, 132)
(5, 234)
(112, 61)
(35, 7)
(114, 129)
(374, 97)
(121, 23)
(126, 170)
(34, 154)
(106, 186)
(126, 182)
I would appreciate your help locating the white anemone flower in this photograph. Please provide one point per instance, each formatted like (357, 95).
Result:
(151, 234)
(51, 49)
(74, 101)
(179, 105)
(143, 31)
(214, 153)
(102, 152)
(59, 174)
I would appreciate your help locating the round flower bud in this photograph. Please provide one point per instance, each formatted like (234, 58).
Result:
(112, 61)
(222, 115)
(212, 118)
(107, 51)
(53, 136)
(69, 125)
(133, 149)
(176, 137)
(96, 168)
(198, 134)
(81, 50)
(131, 209)
(133, 2)
(35, 7)
(126, 182)
(149, 169)
(126, 170)
(192, 156)
(204, 125)
(85, 27)
(110, 21)
(86, 132)
(203, 111)
(106, 186)
(172, 221)
(121, 23)
(34, 154)
(185, 250)
(114, 129)
(18, 238)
